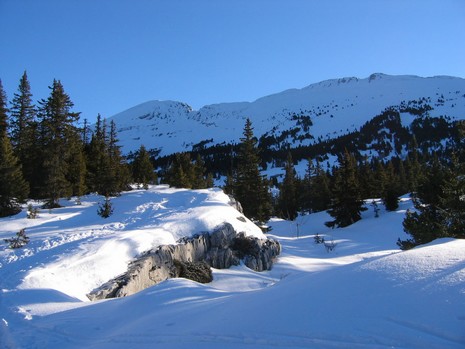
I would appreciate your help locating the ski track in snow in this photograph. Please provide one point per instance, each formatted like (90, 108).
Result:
(364, 294)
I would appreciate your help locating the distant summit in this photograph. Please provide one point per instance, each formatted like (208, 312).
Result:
(323, 110)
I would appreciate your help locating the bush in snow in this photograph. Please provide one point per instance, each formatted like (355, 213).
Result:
(105, 210)
(32, 212)
(329, 245)
(19, 240)
(318, 239)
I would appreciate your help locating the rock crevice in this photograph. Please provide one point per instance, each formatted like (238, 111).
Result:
(192, 258)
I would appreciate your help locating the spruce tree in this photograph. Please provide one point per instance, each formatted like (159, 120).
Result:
(251, 189)
(179, 171)
(118, 166)
(346, 205)
(58, 131)
(315, 195)
(391, 188)
(287, 201)
(96, 154)
(107, 171)
(3, 111)
(23, 130)
(426, 222)
(142, 168)
(452, 200)
(13, 188)
(198, 174)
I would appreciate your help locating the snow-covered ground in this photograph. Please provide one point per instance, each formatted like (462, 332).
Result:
(336, 107)
(366, 293)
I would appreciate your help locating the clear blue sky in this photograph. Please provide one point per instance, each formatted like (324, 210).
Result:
(113, 54)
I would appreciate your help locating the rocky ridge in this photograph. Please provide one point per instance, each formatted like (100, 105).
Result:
(192, 258)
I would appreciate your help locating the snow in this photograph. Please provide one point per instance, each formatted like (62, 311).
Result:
(366, 293)
(335, 107)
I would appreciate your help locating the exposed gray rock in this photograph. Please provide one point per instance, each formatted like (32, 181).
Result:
(220, 249)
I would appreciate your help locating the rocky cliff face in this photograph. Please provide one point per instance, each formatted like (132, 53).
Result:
(192, 258)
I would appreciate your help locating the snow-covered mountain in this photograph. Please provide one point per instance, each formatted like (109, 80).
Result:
(323, 110)
(365, 293)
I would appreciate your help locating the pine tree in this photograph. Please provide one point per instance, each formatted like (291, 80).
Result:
(23, 130)
(142, 168)
(13, 188)
(105, 210)
(107, 171)
(452, 200)
(179, 173)
(3, 111)
(119, 175)
(251, 189)
(413, 166)
(77, 168)
(426, 222)
(96, 154)
(346, 205)
(315, 194)
(287, 201)
(58, 131)
(198, 174)
(391, 190)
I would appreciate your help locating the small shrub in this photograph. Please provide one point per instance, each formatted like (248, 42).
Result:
(376, 209)
(330, 245)
(319, 239)
(20, 240)
(105, 210)
(32, 212)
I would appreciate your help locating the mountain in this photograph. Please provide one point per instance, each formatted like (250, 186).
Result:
(299, 117)
(365, 293)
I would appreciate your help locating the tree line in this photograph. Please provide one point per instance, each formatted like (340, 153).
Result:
(46, 154)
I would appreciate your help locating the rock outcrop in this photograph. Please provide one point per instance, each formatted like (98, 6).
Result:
(192, 258)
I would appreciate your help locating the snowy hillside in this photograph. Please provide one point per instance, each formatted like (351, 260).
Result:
(334, 107)
(366, 293)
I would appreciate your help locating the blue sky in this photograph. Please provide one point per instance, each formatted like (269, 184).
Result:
(113, 54)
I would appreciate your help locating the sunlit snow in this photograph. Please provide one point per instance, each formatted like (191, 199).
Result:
(366, 293)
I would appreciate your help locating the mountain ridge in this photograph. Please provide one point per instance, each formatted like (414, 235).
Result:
(334, 107)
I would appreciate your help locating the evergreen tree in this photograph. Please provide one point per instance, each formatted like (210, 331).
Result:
(107, 172)
(97, 162)
(315, 193)
(142, 168)
(13, 188)
(426, 222)
(180, 172)
(413, 166)
(369, 178)
(23, 130)
(198, 174)
(3, 111)
(346, 205)
(391, 190)
(58, 131)
(77, 167)
(452, 200)
(251, 189)
(287, 201)
(119, 175)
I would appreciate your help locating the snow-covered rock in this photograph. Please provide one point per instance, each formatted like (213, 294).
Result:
(220, 249)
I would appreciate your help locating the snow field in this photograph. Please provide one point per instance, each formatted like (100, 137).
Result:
(366, 293)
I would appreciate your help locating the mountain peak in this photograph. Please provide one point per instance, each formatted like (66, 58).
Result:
(335, 107)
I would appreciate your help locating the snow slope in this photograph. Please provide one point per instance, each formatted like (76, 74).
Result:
(364, 294)
(334, 106)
